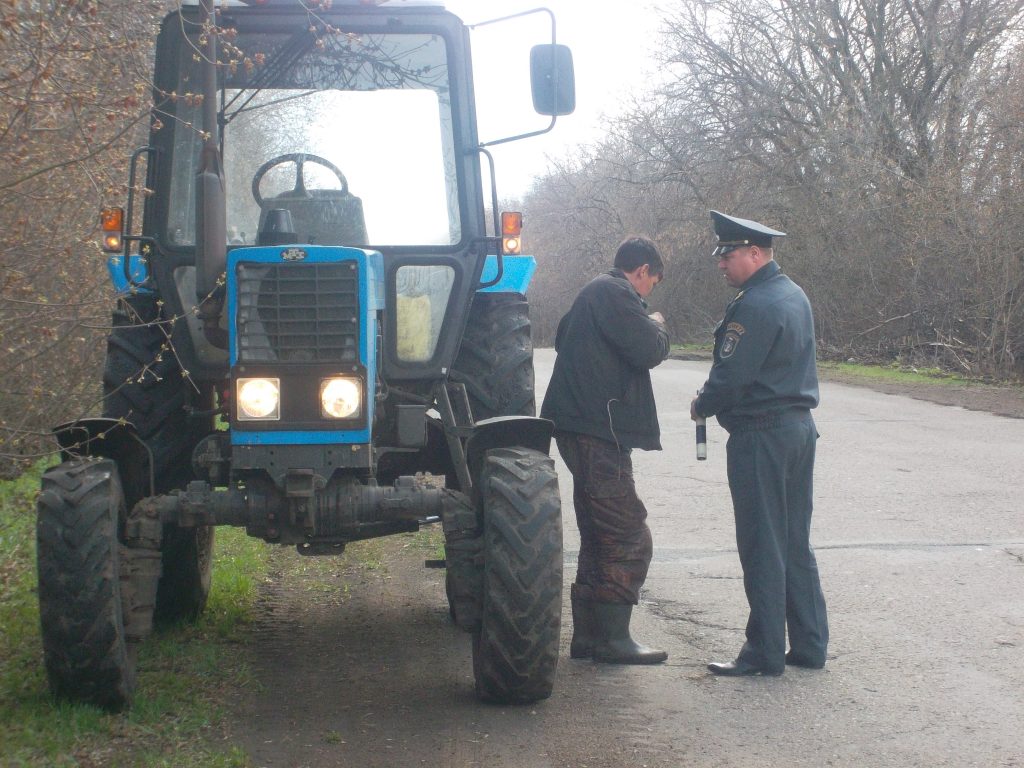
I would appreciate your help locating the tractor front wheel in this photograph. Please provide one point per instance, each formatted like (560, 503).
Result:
(515, 651)
(81, 614)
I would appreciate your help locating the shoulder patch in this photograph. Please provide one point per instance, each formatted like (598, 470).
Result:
(736, 327)
(730, 341)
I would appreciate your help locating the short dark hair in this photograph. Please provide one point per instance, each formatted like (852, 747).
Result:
(636, 251)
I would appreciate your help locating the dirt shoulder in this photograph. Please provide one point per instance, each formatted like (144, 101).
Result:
(999, 399)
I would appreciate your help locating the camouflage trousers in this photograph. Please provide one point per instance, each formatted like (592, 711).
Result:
(615, 542)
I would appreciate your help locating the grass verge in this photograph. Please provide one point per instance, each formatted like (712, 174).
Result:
(184, 673)
(694, 347)
(894, 372)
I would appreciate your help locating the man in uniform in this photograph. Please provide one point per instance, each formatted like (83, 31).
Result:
(601, 400)
(762, 387)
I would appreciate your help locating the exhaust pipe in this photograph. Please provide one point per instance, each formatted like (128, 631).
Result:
(211, 206)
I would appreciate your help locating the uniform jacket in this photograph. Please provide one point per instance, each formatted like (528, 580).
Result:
(601, 384)
(764, 353)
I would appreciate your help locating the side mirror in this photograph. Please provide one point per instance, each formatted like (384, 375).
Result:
(552, 79)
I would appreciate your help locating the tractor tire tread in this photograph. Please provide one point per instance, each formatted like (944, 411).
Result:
(516, 649)
(495, 361)
(84, 648)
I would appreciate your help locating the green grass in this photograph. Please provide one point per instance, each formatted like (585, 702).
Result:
(429, 540)
(894, 372)
(183, 673)
(693, 347)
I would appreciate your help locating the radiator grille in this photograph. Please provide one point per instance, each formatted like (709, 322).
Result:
(298, 312)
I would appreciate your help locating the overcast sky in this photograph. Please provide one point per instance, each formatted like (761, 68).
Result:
(610, 42)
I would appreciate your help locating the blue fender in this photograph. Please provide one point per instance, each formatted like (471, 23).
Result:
(516, 273)
(137, 267)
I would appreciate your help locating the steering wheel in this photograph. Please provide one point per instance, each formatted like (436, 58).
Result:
(299, 158)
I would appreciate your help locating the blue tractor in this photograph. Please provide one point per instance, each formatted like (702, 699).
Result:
(321, 335)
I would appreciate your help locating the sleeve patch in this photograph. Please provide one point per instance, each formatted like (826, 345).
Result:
(730, 341)
(739, 329)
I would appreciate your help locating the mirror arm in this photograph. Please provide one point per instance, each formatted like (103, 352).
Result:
(516, 16)
(520, 136)
(554, 118)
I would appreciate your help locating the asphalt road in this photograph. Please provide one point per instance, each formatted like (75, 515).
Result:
(920, 542)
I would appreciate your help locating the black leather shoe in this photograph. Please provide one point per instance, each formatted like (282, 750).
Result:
(740, 669)
(796, 660)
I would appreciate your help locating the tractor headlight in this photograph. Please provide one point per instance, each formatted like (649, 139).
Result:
(339, 398)
(259, 399)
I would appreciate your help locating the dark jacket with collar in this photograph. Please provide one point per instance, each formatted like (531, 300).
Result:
(764, 353)
(606, 346)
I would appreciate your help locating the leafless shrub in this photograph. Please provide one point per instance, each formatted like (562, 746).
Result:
(885, 138)
(73, 84)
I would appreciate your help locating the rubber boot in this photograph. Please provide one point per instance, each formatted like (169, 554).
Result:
(614, 644)
(582, 646)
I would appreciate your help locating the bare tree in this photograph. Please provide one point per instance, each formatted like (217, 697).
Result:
(883, 135)
(72, 91)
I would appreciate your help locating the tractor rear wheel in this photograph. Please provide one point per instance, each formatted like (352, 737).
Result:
(80, 607)
(495, 361)
(144, 384)
(515, 651)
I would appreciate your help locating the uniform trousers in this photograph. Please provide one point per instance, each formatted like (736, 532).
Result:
(770, 474)
(615, 542)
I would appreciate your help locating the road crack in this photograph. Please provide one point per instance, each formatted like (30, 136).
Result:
(1018, 556)
(672, 610)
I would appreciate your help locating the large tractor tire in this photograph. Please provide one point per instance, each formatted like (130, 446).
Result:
(143, 383)
(515, 652)
(80, 606)
(495, 361)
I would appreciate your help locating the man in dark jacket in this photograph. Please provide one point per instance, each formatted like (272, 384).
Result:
(601, 400)
(762, 387)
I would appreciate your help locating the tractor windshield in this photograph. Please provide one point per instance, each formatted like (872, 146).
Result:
(352, 132)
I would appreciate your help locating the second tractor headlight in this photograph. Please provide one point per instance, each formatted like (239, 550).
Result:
(259, 399)
(340, 398)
